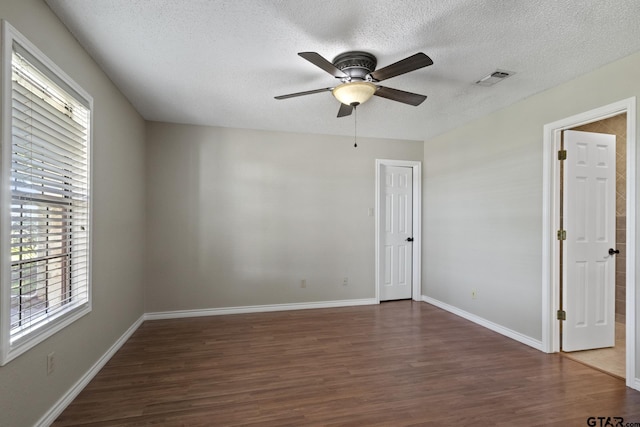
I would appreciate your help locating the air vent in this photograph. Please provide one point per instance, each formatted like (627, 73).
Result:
(495, 77)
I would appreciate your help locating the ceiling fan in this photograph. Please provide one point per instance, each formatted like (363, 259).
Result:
(358, 76)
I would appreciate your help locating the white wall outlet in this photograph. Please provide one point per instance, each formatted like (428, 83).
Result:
(51, 363)
(303, 283)
(345, 281)
(474, 294)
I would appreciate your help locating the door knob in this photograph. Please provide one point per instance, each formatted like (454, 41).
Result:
(409, 239)
(613, 251)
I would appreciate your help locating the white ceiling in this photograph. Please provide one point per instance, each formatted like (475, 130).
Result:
(221, 62)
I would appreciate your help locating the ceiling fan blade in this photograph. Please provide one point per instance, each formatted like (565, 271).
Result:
(308, 92)
(345, 110)
(400, 95)
(413, 62)
(319, 61)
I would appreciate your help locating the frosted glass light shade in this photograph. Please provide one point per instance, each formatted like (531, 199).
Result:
(354, 92)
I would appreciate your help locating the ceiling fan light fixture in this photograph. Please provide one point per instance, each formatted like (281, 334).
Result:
(354, 93)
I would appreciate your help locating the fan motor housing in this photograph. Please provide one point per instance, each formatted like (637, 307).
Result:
(356, 64)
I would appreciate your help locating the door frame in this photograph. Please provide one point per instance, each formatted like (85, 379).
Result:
(416, 275)
(551, 221)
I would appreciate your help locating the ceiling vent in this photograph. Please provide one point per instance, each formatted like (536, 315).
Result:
(495, 77)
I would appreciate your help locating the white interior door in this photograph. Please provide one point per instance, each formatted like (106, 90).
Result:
(589, 221)
(397, 247)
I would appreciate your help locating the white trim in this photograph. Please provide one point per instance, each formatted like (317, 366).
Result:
(550, 221)
(632, 249)
(5, 192)
(54, 412)
(517, 336)
(417, 224)
(257, 309)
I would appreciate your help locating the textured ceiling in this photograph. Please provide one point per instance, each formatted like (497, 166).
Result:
(221, 62)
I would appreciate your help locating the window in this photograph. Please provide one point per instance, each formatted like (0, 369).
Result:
(45, 214)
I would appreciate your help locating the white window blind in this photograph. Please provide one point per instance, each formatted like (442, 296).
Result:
(49, 182)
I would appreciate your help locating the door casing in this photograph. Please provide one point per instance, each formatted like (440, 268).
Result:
(551, 221)
(417, 222)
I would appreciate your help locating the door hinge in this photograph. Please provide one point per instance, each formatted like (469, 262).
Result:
(562, 315)
(562, 155)
(562, 234)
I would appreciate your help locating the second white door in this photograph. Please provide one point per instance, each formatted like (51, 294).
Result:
(397, 247)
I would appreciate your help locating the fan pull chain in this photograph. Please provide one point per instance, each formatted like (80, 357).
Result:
(355, 126)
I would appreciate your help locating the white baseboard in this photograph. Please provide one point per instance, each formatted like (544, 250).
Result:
(257, 309)
(524, 339)
(57, 409)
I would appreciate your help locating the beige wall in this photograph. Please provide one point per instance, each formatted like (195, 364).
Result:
(240, 217)
(483, 200)
(26, 392)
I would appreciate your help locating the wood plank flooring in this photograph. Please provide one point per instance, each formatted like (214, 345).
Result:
(397, 364)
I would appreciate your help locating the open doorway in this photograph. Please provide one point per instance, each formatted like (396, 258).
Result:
(551, 267)
(608, 355)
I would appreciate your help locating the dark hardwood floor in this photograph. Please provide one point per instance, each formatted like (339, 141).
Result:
(397, 364)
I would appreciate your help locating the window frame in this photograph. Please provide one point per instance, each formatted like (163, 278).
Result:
(9, 350)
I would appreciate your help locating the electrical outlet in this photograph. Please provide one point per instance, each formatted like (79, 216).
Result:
(345, 281)
(303, 283)
(51, 363)
(474, 294)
